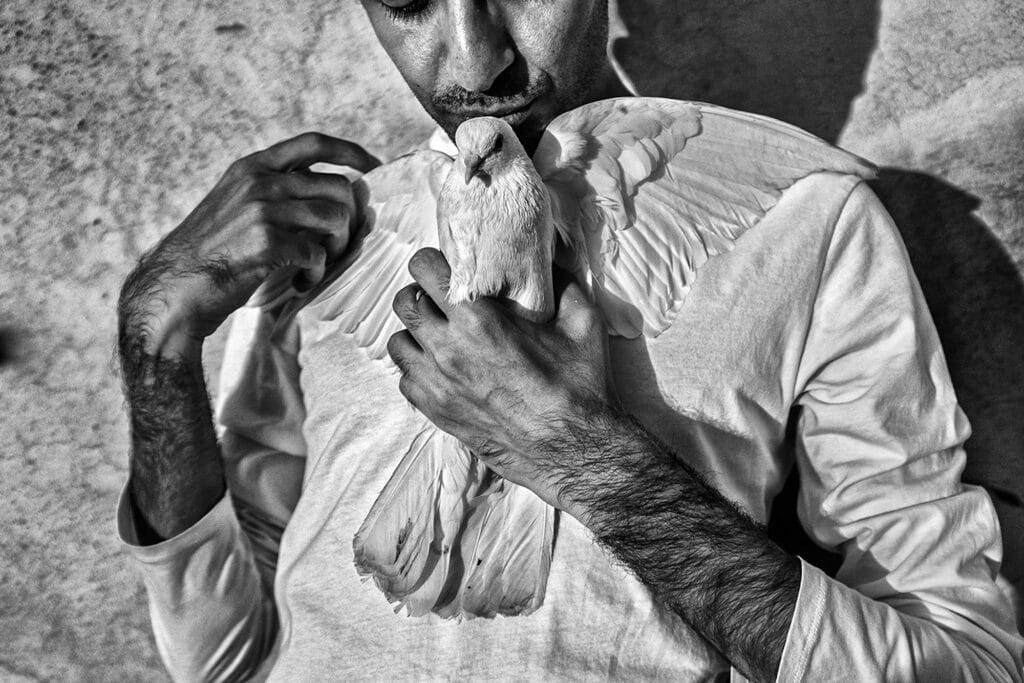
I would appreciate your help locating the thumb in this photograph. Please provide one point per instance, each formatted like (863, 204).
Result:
(576, 315)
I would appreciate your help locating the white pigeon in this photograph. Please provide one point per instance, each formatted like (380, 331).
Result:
(640, 192)
(494, 221)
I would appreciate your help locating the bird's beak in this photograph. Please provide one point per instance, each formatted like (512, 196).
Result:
(473, 163)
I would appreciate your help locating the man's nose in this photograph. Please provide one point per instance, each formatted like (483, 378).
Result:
(479, 46)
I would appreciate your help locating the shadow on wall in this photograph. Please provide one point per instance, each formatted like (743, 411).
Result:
(797, 60)
(803, 62)
(976, 296)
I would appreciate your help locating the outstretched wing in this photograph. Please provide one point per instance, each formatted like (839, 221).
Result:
(645, 190)
(397, 216)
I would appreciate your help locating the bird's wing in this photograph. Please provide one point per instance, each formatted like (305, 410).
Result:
(645, 190)
(397, 205)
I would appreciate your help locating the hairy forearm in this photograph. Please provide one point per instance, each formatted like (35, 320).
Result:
(175, 465)
(698, 552)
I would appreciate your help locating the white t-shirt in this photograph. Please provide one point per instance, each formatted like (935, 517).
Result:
(808, 345)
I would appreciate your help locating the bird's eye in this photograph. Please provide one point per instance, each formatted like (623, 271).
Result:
(498, 143)
(405, 9)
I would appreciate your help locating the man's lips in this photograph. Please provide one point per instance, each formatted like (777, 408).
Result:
(515, 111)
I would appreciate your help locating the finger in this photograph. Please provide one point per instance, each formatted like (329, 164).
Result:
(334, 188)
(309, 185)
(417, 312)
(576, 315)
(430, 269)
(414, 392)
(307, 149)
(322, 216)
(300, 250)
(404, 351)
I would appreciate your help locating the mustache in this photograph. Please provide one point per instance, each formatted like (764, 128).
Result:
(507, 89)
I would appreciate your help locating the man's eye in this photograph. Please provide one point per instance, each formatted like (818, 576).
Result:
(407, 9)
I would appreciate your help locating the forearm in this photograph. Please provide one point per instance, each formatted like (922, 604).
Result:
(175, 465)
(702, 556)
(212, 617)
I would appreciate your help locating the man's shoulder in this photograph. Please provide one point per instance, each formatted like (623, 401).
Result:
(809, 211)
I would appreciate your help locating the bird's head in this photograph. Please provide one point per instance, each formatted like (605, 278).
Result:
(486, 145)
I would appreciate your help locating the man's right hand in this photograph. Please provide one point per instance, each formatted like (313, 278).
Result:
(268, 211)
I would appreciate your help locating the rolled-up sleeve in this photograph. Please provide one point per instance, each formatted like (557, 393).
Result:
(879, 451)
(210, 588)
(211, 618)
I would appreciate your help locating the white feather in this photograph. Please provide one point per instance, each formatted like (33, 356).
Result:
(662, 186)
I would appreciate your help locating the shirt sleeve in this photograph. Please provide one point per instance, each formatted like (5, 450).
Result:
(210, 588)
(879, 452)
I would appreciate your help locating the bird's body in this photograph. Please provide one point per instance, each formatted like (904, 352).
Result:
(494, 223)
(641, 192)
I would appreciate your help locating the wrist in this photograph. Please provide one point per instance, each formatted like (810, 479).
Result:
(595, 448)
(152, 321)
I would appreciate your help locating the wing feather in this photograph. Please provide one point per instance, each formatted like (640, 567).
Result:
(397, 206)
(649, 189)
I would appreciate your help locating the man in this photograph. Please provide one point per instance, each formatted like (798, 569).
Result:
(809, 344)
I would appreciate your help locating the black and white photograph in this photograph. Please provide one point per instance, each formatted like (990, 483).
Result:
(512, 340)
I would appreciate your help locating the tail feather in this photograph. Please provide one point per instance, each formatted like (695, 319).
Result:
(448, 535)
(506, 552)
(405, 542)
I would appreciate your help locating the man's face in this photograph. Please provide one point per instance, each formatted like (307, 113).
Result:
(526, 61)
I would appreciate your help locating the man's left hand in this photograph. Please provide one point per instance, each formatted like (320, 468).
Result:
(508, 388)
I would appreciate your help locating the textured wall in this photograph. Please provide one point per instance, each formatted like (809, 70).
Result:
(116, 117)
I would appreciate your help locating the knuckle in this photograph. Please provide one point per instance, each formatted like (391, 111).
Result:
(442, 398)
(480, 319)
(263, 240)
(258, 212)
(261, 184)
(245, 182)
(265, 247)
(410, 317)
(312, 138)
(471, 319)
(445, 356)
(239, 167)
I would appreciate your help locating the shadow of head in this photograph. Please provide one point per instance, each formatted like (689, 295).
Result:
(802, 62)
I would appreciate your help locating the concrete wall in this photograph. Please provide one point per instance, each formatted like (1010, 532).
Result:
(117, 117)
